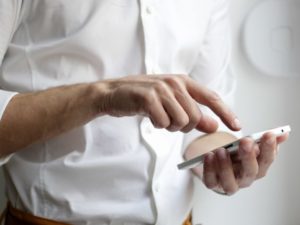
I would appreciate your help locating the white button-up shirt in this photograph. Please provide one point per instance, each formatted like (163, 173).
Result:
(111, 170)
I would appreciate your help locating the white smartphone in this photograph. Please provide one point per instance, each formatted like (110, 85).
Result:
(233, 146)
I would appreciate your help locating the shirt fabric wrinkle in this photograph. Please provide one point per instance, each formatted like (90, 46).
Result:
(88, 175)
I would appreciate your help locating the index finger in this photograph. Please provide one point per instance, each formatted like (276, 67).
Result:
(212, 100)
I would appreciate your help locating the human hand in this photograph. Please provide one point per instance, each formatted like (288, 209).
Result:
(225, 173)
(170, 101)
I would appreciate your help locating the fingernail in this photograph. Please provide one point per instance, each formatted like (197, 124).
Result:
(247, 148)
(222, 154)
(270, 141)
(209, 157)
(237, 124)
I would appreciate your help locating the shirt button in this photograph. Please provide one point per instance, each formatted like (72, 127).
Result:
(148, 130)
(156, 188)
(149, 10)
(153, 71)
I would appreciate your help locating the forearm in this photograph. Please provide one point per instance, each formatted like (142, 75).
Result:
(34, 117)
(169, 101)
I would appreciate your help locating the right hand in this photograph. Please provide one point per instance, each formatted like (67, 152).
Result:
(170, 101)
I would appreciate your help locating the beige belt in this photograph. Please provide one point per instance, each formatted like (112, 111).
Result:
(15, 216)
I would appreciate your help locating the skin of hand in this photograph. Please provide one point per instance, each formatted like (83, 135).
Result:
(170, 101)
(227, 173)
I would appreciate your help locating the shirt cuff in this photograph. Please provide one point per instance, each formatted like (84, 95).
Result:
(5, 97)
(5, 159)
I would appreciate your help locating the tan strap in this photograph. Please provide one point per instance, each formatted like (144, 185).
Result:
(188, 221)
(17, 217)
(2, 216)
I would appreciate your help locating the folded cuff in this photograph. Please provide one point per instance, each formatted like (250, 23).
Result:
(5, 159)
(5, 97)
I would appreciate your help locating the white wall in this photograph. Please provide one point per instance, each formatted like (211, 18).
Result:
(262, 102)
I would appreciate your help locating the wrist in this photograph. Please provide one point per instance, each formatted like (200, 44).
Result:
(99, 92)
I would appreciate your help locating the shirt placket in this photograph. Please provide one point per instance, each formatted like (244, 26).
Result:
(148, 17)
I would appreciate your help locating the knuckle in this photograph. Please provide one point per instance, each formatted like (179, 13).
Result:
(186, 129)
(266, 161)
(230, 190)
(244, 185)
(267, 137)
(160, 86)
(172, 128)
(249, 175)
(210, 184)
(213, 97)
(183, 77)
(181, 122)
(246, 141)
(174, 81)
(196, 118)
(162, 124)
(193, 122)
(261, 174)
(225, 171)
(150, 97)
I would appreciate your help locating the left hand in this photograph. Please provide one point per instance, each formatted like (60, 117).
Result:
(225, 173)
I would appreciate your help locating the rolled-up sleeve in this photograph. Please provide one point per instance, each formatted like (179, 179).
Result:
(213, 65)
(9, 13)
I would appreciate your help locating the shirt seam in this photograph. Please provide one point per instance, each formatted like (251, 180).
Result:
(27, 55)
(16, 18)
(42, 183)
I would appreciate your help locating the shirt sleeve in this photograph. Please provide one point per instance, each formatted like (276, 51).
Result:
(213, 65)
(9, 12)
